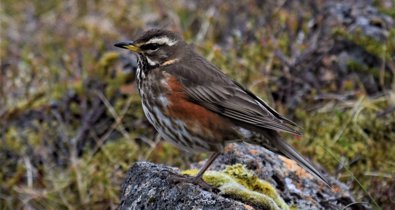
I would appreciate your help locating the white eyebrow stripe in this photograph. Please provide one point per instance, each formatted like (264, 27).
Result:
(151, 62)
(162, 40)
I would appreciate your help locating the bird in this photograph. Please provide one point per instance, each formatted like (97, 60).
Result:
(198, 108)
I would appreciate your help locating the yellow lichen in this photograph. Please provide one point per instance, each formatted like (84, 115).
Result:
(239, 182)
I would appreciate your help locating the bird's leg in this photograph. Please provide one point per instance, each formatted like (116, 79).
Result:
(198, 178)
(206, 165)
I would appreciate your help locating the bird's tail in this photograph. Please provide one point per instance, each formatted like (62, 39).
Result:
(286, 149)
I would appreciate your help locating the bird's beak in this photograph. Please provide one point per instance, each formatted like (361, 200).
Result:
(129, 45)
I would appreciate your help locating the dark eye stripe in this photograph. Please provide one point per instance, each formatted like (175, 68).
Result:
(152, 46)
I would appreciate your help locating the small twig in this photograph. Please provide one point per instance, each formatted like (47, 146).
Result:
(285, 60)
(354, 203)
(29, 172)
(338, 97)
(80, 186)
(100, 142)
(352, 175)
(156, 141)
(386, 111)
(205, 26)
(382, 67)
(118, 119)
(279, 7)
(356, 109)
(378, 174)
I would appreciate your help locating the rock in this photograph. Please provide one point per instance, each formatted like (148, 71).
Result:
(149, 186)
(248, 177)
(358, 15)
(353, 36)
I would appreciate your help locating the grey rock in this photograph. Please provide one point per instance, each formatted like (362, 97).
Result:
(359, 15)
(150, 186)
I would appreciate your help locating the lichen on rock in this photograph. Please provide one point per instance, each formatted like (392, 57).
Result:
(240, 183)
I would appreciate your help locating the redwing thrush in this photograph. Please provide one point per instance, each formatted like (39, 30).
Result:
(192, 104)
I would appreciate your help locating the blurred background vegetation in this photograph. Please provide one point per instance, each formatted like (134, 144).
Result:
(70, 118)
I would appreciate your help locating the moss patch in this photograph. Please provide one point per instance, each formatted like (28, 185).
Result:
(239, 182)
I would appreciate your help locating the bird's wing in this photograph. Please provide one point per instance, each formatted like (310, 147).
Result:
(206, 85)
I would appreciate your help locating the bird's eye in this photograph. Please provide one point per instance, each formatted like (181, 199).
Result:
(150, 47)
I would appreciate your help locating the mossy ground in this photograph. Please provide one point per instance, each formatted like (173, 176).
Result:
(71, 123)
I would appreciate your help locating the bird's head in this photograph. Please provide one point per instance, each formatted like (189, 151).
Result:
(158, 47)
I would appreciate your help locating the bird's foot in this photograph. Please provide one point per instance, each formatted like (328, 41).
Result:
(194, 180)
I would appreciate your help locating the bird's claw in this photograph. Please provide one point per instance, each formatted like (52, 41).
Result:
(194, 180)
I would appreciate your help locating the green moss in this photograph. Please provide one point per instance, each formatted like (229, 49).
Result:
(104, 63)
(21, 106)
(383, 7)
(371, 45)
(11, 140)
(358, 67)
(239, 182)
(352, 134)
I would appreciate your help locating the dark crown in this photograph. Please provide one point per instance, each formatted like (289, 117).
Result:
(157, 33)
